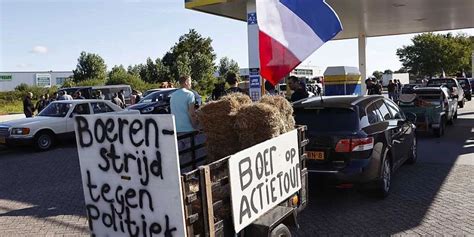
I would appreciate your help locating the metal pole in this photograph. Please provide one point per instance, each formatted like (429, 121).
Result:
(362, 62)
(255, 81)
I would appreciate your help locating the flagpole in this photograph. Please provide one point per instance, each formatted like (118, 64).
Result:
(255, 81)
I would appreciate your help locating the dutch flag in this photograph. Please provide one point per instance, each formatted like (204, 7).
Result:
(290, 31)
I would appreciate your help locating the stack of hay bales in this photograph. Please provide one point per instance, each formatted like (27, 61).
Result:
(217, 119)
(234, 123)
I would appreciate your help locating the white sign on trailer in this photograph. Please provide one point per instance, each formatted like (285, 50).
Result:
(130, 175)
(263, 176)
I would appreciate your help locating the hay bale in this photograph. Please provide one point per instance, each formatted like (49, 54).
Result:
(285, 108)
(243, 99)
(256, 123)
(217, 119)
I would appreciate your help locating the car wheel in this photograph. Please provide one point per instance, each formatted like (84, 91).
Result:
(383, 185)
(44, 141)
(281, 231)
(413, 152)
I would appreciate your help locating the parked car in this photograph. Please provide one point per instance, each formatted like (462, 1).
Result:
(52, 124)
(466, 86)
(357, 139)
(158, 102)
(453, 85)
(433, 106)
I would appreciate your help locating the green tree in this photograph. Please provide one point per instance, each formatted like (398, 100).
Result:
(90, 67)
(192, 54)
(227, 65)
(402, 70)
(377, 74)
(431, 54)
(118, 75)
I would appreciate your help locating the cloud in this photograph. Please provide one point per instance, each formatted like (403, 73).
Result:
(39, 50)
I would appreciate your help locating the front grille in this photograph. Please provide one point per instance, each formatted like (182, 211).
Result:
(4, 132)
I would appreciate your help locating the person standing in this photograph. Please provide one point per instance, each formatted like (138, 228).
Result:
(79, 96)
(378, 88)
(233, 81)
(40, 104)
(182, 106)
(299, 92)
(121, 96)
(391, 88)
(28, 107)
(218, 91)
(117, 101)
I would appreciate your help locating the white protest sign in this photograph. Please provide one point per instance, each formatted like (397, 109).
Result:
(263, 176)
(130, 175)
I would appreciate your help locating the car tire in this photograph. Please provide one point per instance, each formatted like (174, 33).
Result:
(384, 183)
(439, 132)
(413, 156)
(44, 141)
(280, 231)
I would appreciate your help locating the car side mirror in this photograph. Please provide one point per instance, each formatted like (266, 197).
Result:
(411, 117)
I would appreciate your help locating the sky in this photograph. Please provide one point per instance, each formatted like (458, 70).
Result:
(43, 35)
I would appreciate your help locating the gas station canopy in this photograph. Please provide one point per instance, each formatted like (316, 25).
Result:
(371, 17)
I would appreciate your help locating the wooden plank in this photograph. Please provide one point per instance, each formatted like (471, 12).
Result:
(206, 199)
(187, 209)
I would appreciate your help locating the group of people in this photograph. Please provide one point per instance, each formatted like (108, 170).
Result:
(394, 89)
(374, 87)
(29, 108)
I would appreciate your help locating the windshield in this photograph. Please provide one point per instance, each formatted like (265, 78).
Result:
(157, 96)
(55, 110)
(341, 120)
(438, 82)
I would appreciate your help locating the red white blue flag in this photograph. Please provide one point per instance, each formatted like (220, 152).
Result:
(290, 31)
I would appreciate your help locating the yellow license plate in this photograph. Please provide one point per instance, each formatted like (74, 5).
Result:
(315, 155)
(3, 140)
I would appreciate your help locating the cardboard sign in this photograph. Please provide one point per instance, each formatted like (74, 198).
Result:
(130, 175)
(263, 176)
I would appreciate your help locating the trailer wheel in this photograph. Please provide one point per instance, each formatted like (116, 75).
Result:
(281, 231)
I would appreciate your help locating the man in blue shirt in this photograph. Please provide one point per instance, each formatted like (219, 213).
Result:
(182, 106)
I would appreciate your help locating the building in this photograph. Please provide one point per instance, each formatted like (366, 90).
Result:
(10, 80)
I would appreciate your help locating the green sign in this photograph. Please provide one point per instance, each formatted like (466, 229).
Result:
(6, 77)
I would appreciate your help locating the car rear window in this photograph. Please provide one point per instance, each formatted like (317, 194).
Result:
(327, 119)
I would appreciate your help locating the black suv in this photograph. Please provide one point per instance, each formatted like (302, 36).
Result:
(158, 102)
(357, 139)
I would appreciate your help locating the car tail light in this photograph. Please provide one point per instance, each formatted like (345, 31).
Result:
(355, 144)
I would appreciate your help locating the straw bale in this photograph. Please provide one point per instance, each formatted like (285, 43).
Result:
(256, 123)
(217, 119)
(243, 99)
(285, 108)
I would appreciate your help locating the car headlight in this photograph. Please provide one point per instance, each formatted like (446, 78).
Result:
(20, 131)
(147, 110)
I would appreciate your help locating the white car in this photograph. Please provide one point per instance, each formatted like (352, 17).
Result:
(53, 123)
